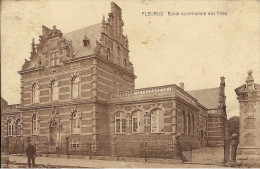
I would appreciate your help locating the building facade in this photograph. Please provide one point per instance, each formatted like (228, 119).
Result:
(80, 86)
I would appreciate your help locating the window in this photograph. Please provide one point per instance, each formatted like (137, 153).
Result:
(188, 124)
(193, 130)
(74, 143)
(75, 88)
(54, 90)
(137, 122)
(75, 123)
(108, 53)
(157, 121)
(18, 127)
(124, 62)
(54, 58)
(35, 125)
(35, 93)
(10, 128)
(120, 123)
(118, 50)
(183, 122)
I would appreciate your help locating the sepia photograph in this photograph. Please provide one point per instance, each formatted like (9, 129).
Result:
(130, 84)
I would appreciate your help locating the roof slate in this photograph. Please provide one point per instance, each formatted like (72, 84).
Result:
(207, 97)
(92, 32)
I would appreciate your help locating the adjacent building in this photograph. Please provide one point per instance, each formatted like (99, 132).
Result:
(80, 86)
(248, 95)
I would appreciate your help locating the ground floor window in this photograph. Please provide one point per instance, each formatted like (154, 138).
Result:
(74, 143)
(137, 121)
(120, 123)
(157, 121)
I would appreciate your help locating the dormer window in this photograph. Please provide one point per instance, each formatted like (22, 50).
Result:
(86, 41)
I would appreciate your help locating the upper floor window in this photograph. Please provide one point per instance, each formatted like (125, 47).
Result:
(157, 121)
(137, 121)
(120, 123)
(35, 124)
(54, 58)
(10, 128)
(54, 90)
(36, 93)
(75, 122)
(18, 127)
(75, 87)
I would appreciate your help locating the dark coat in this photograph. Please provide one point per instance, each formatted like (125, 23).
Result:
(30, 151)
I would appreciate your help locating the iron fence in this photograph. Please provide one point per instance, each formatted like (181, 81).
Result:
(152, 148)
(156, 148)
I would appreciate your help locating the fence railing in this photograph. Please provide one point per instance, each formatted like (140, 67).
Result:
(152, 148)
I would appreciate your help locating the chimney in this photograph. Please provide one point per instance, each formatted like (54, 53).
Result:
(182, 86)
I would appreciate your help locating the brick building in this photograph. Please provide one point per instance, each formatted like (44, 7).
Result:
(80, 86)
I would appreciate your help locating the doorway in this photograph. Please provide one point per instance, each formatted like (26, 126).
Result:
(55, 135)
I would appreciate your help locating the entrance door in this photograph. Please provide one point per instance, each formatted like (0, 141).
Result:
(54, 134)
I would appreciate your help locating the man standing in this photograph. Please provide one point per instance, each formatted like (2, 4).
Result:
(30, 153)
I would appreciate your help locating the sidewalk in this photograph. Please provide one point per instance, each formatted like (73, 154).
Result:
(83, 163)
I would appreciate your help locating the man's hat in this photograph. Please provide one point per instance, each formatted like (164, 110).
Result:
(28, 138)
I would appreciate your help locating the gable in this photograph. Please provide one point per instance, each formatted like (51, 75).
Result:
(62, 47)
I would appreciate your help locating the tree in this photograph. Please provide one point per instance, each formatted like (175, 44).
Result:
(233, 125)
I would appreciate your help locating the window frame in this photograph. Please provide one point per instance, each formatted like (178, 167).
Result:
(10, 128)
(18, 129)
(73, 84)
(140, 121)
(35, 125)
(122, 123)
(55, 90)
(54, 58)
(158, 119)
(36, 93)
(75, 123)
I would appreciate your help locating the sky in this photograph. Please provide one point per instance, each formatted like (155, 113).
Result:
(196, 50)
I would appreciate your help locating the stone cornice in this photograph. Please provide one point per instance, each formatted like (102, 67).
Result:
(61, 104)
(30, 70)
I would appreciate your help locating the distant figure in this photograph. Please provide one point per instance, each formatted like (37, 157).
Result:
(30, 153)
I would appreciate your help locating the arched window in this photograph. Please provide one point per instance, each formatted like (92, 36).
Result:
(10, 128)
(75, 123)
(157, 121)
(120, 123)
(35, 125)
(137, 121)
(18, 127)
(54, 90)
(75, 87)
(35, 93)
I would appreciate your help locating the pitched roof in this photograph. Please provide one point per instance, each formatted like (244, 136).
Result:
(207, 97)
(93, 33)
